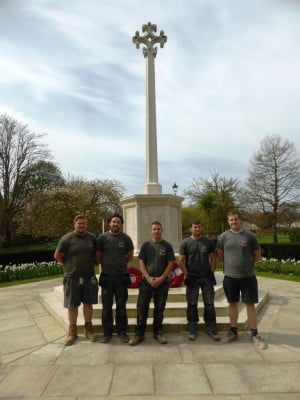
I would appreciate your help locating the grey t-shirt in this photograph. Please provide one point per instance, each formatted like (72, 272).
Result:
(238, 253)
(79, 251)
(114, 249)
(196, 254)
(156, 256)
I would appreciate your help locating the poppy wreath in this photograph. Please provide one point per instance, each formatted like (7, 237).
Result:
(135, 277)
(175, 276)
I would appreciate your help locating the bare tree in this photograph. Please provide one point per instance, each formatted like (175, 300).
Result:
(19, 150)
(274, 178)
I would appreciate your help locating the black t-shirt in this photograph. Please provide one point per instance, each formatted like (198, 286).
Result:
(156, 256)
(196, 254)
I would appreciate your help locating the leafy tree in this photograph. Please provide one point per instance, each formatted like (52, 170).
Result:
(208, 203)
(216, 196)
(43, 175)
(51, 213)
(189, 214)
(273, 179)
(20, 149)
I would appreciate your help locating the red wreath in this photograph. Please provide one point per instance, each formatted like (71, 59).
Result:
(135, 277)
(175, 276)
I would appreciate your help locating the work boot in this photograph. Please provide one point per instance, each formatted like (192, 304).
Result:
(192, 336)
(229, 337)
(124, 338)
(160, 338)
(136, 340)
(259, 342)
(89, 333)
(105, 338)
(72, 336)
(213, 335)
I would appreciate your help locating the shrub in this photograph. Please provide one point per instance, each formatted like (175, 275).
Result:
(294, 235)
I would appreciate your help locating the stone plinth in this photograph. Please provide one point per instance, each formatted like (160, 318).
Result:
(140, 210)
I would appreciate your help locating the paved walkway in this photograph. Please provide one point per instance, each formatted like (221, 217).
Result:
(36, 365)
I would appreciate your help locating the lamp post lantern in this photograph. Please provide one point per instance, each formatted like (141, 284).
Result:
(175, 188)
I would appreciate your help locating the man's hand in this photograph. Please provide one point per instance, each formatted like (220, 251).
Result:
(150, 280)
(156, 282)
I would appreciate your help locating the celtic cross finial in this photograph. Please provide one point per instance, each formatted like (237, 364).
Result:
(149, 39)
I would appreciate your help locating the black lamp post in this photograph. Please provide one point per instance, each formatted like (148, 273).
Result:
(175, 188)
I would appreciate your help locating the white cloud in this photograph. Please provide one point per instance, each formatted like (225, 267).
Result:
(228, 75)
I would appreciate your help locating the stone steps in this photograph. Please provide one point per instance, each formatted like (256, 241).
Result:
(175, 312)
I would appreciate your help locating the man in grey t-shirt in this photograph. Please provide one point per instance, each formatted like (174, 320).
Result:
(116, 249)
(239, 250)
(78, 254)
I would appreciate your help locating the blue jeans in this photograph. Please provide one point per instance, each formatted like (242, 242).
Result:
(208, 295)
(159, 294)
(114, 287)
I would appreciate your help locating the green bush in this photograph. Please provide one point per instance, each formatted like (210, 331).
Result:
(294, 235)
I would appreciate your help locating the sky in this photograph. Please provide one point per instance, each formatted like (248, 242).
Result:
(228, 76)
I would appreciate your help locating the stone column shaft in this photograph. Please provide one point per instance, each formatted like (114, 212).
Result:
(151, 186)
(149, 40)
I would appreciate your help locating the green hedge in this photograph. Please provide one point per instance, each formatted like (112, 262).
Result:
(281, 251)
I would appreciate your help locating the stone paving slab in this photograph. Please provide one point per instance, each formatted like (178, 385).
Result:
(47, 398)
(273, 396)
(271, 377)
(12, 312)
(166, 397)
(226, 378)
(53, 333)
(220, 352)
(25, 381)
(81, 381)
(151, 353)
(20, 339)
(137, 380)
(186, 352)
(91, 354)
(45, 355)
(285, 338)
(280, 352)
(181, 379)
(16, 323)
(18, 355)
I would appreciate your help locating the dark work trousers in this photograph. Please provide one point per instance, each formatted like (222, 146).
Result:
(208, 296)
(114, 287)
(159, 294)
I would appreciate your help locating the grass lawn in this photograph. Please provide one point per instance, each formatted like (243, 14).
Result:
(268, 238)
(21, 282)
(293, 278)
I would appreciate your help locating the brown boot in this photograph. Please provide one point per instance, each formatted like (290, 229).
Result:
(89, 333)
(72, 336)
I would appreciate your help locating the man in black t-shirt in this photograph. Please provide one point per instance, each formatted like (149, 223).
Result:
(116, 249)
(198, 263)
(156, 261)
